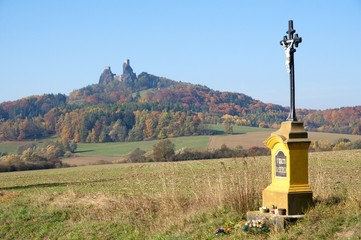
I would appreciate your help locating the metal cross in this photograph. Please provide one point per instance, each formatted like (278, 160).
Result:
(289, 44)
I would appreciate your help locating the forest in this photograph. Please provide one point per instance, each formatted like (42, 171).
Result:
(151, 107)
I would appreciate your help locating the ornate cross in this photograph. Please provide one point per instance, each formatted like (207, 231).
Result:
(289, 45)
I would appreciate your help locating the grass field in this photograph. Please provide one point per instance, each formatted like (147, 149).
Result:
(219, 128)
(120, 149)
(242, 136)
(12, 146)
(197, 142)
(256, 138)
(182, 200)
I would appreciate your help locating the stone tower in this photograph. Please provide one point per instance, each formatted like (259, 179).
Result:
(128, 77)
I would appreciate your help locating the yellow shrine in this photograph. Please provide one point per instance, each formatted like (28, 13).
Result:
(289, 151)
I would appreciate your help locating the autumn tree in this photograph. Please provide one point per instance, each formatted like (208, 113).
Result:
(118, 132)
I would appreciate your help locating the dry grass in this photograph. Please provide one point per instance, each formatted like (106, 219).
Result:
(178, 196)
(90, 160)
(174, 200)
(335, 181)
(246, 140)
(337, 172)
(250, 139)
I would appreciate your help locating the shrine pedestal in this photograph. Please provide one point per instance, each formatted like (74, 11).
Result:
(295, 203)
(289, 188)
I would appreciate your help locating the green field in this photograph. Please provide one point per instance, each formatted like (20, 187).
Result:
(123, 148)
(242, 136)
(182, 200)
(115, 149)
(11, 147)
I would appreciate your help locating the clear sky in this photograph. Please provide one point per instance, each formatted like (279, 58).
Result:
(232, 45)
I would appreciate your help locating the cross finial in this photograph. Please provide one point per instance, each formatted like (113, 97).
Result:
(290, 31)
(288, 39)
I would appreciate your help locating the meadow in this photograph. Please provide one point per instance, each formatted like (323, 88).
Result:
(123, 148)
(244, 136)
(173, 200)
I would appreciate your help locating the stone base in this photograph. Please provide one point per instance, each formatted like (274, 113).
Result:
(295, 203)
(279, 222)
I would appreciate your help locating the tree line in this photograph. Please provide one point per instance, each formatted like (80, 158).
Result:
(340, 144)
(115, 113)
(164, 151)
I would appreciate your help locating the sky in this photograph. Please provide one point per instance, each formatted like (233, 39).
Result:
(49, 46)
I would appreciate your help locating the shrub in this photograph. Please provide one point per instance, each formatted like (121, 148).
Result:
(163, 151)
(137, 156)
(222, 152)
(356, 144)
(258, 151)
(24, 147)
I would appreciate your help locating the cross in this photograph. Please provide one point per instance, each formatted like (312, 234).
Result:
(289, 43)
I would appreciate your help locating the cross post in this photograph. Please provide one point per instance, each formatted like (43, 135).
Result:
(289, 43)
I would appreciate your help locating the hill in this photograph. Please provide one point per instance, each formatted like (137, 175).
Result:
(134, 107)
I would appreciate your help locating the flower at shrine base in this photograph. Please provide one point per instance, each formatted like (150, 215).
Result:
(256, 226)
(219, 231)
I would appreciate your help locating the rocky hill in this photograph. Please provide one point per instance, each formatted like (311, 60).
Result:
(106, 77)
(134, 107)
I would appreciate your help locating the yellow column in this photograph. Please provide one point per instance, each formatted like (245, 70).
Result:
(289, 152)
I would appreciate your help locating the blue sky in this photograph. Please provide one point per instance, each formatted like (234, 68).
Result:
(58, 46)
